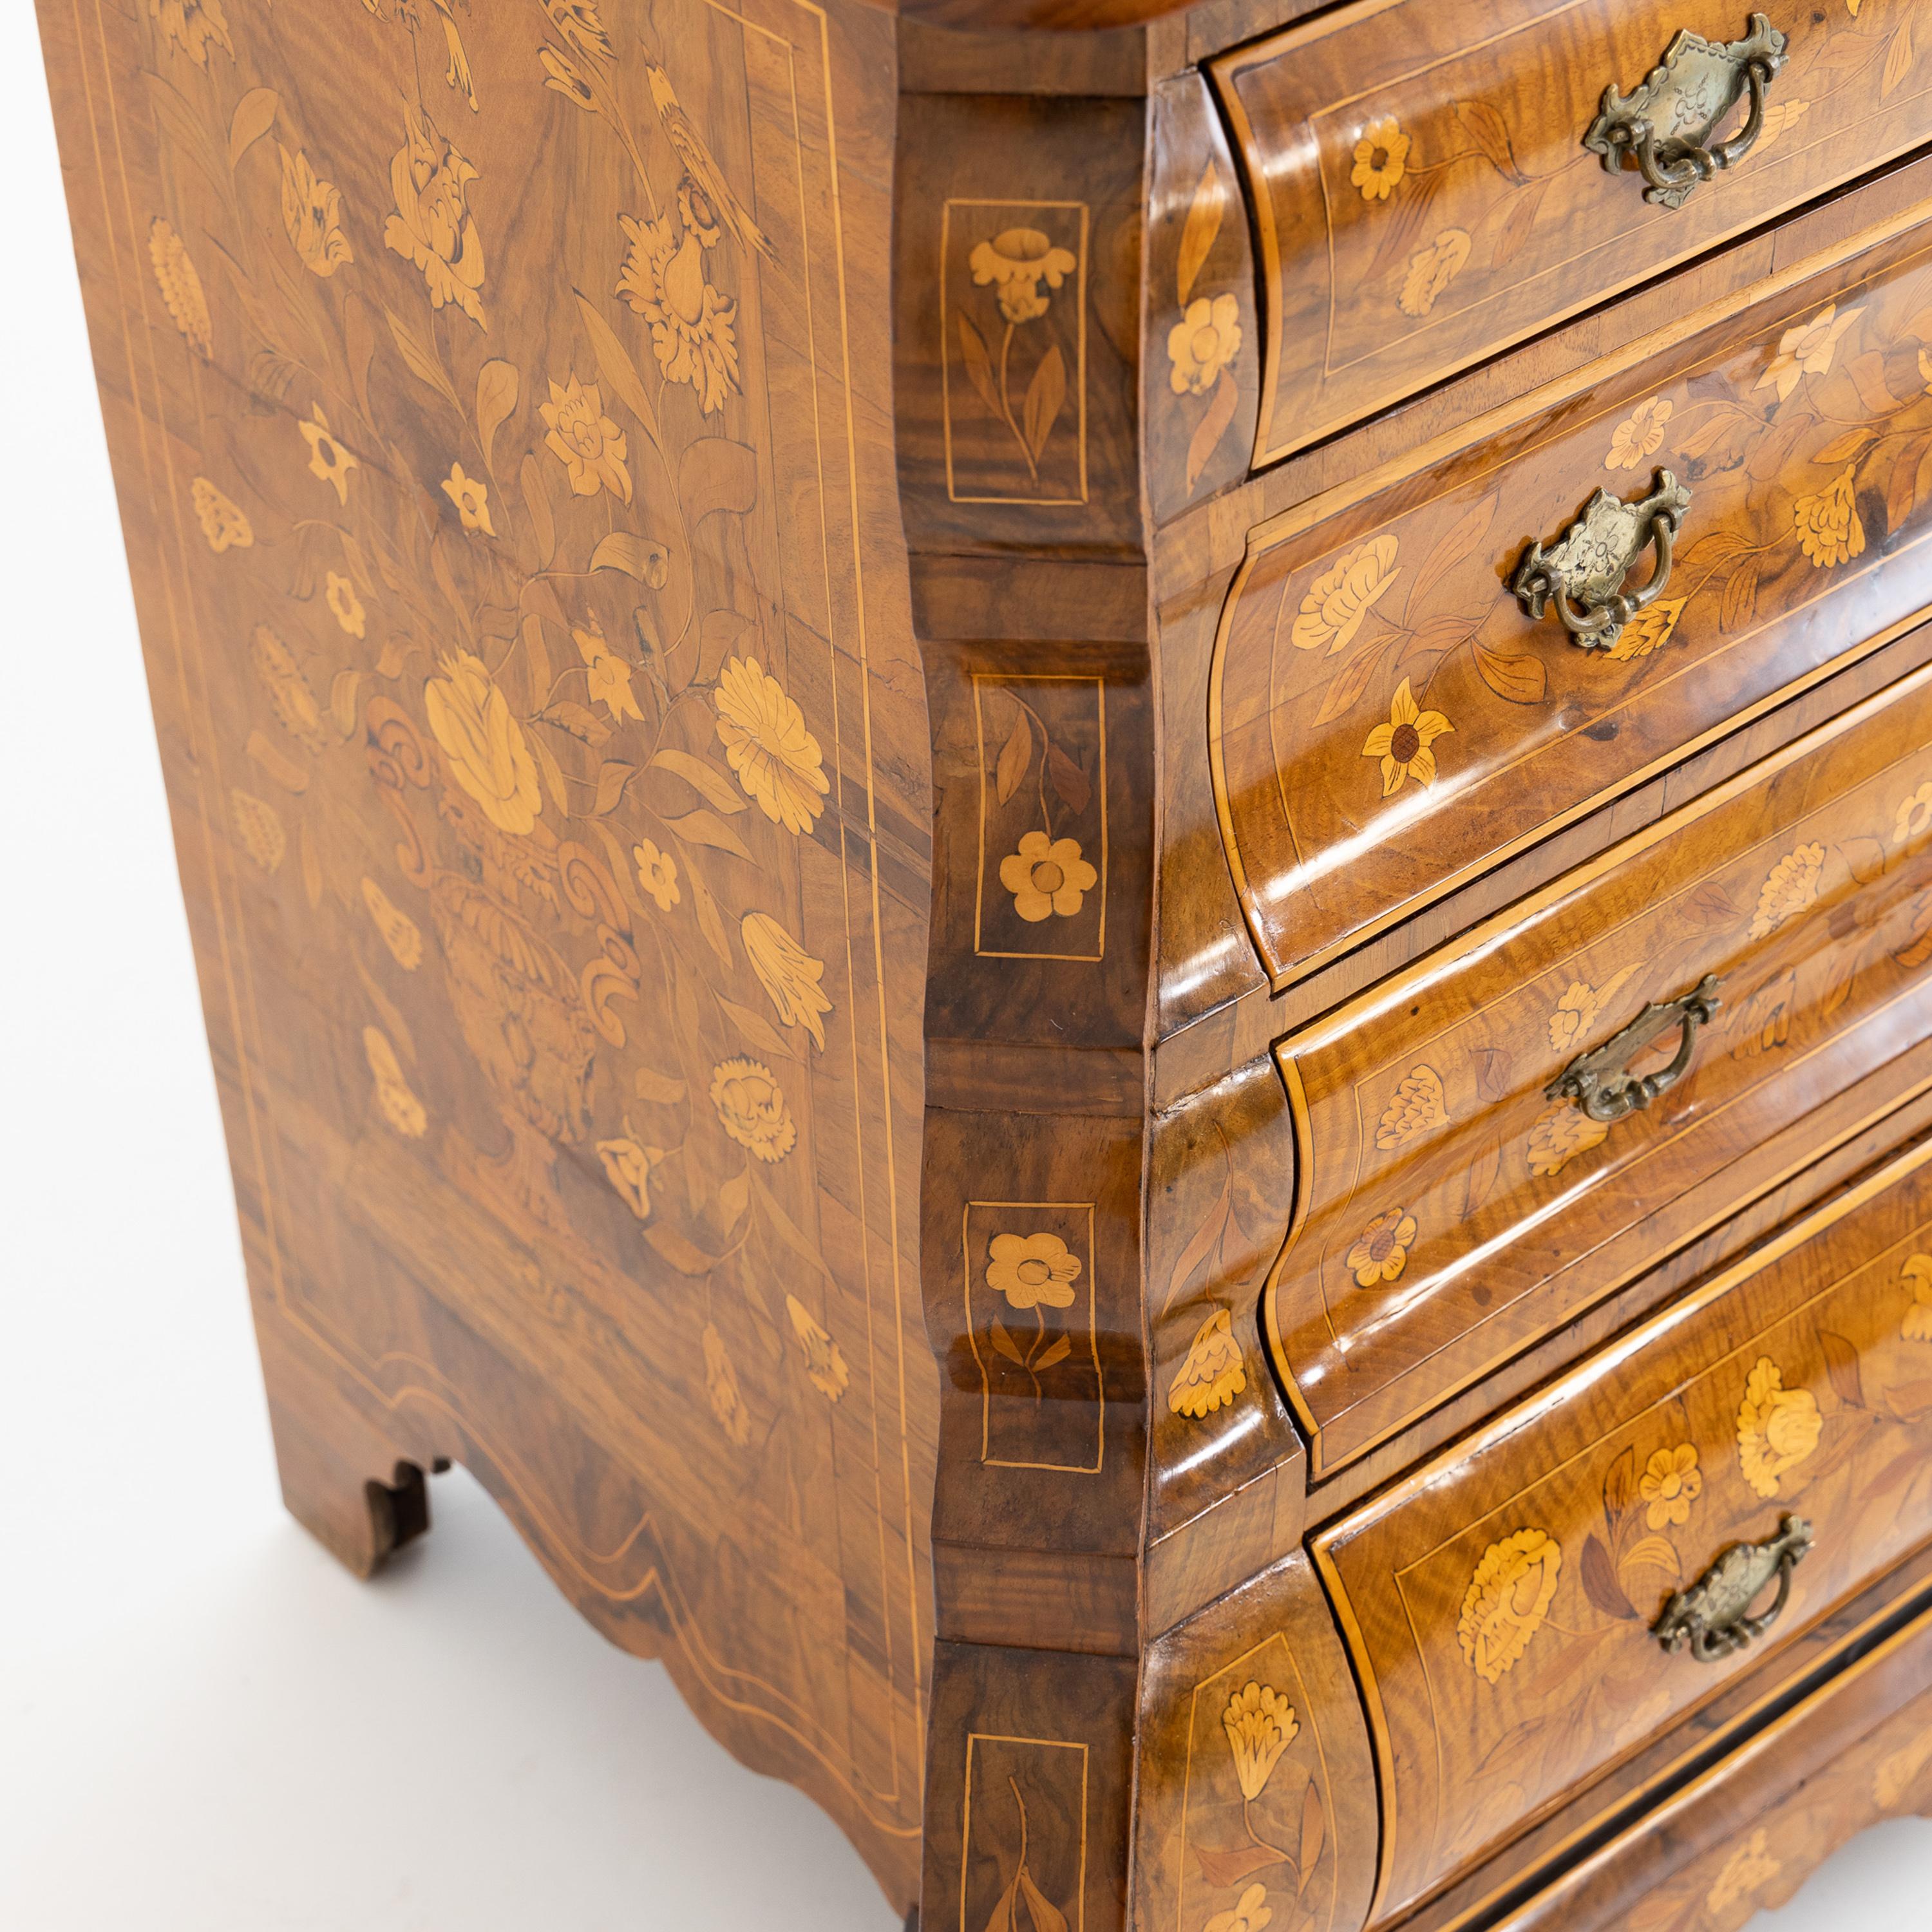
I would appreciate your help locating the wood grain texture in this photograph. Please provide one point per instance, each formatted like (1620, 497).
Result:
(1500, 1613)
(1741, 1838)
(1017, 399)
(701, 568)
(1423, 197)
(1254, 1767)
(1449, 1207)
(1387, 720)
(500, 419)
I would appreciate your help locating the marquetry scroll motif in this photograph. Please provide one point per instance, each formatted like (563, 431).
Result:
(1203, 379)
(1248, 1743)
(1505, 1610)
(1424, 195)
(1031, 1293)
(1373, 693)
(1041, 888)
(525, 576)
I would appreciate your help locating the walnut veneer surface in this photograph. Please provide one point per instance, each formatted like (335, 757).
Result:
(934, 897)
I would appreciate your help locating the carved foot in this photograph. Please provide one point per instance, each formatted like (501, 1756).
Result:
(344, 1481)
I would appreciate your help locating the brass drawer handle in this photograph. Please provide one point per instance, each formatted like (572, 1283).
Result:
(1600, 1082)
(1713, 1615)
(1667, 124)
(1582, 572)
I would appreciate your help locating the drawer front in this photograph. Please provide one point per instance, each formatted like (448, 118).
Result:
(1386, 720)
(1450, 1212)
(1500, 1603)
(1424, 196)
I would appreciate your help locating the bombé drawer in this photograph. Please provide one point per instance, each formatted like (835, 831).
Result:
(1506, 1607)
(1496, 1138)
(1408, 690)
(1434, 180)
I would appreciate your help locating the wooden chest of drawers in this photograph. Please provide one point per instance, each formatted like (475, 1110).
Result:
(1077, 865)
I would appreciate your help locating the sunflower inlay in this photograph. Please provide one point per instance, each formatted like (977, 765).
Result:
(1403, 743)
(1381, 1252)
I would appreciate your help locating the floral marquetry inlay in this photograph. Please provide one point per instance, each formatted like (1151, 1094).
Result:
(1917, 1326)
(1214, 1373)
(1416, 204)
(1334, 605)
(1384, 721)
(1042, 747)
(1261, 1724)
(541, 693)
(1418, 1106)
(1507, 1601)
(1778, 1427)
(1671, 1482)
(1031, 1297)
(1380, 1252)
(1256, 1851)
(1013, 355)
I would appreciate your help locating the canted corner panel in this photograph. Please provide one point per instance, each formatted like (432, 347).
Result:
(1015, 331)
(1256, 1789)
(1204, 347)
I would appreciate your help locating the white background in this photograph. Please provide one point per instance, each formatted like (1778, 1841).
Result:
(205, 1725)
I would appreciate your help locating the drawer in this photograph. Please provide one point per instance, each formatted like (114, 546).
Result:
(1451, 1209)
(1387, 720)
(1501, 1605)
(1424, 195)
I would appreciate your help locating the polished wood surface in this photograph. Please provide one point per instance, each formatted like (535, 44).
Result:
(1449, 1209)
(526, 615)
(1424, 197)
(1386, 720)
(908, 996)
(1500, 1608)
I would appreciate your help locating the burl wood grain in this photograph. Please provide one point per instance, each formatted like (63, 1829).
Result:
(1423, 197)
(498, 405)
(1386, 720)
(1448, 1210)
(1499, 1607)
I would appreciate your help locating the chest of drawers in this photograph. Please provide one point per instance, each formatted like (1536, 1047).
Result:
(1076, 865)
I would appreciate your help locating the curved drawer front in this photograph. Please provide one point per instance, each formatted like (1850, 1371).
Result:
(1424, 195)
(1450, 1212)
(1387, 722)
(1500, 1604)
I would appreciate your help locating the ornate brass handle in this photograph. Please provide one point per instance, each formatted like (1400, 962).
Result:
(1666, 125)
(1582, 572)
(1714, 1616)
(1600, 1081)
